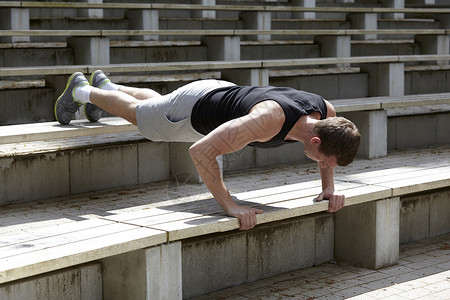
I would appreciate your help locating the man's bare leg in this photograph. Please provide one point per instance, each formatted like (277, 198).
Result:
(116, 103)
(139, 93)
(116, 99)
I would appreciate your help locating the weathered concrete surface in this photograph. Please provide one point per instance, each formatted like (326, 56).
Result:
(368, 234)
(220, 261)
(77, 283)
(424, 216)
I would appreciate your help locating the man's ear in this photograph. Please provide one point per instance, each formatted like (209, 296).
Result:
(316, 141)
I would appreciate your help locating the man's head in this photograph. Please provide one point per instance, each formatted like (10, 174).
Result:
(339, 137)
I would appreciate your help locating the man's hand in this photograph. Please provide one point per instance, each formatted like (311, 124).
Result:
(245, 214)
(336, 202)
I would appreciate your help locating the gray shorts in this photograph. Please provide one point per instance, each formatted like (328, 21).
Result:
(168, 118)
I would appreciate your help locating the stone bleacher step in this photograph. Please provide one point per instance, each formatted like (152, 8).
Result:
(53, 130)
(24, 133)
(313, 71)
(76, 230)
(184, 77)
(61, 248)
(69, 143)
(21, 84)
(32, 45)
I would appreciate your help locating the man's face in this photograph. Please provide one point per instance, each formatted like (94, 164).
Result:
(312, 151)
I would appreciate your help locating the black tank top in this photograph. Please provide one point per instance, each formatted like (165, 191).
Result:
(224, 104)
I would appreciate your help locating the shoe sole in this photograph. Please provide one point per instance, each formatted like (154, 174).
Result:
(91, 81)
(67, 86)
(87, 117)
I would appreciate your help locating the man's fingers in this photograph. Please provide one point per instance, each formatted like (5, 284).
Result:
(319, 198)
(336, 203)
(248, 219)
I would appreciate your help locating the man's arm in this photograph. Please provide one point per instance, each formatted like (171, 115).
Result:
(336, 202)
(232, 136)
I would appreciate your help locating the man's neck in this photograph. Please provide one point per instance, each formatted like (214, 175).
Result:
(301, 131)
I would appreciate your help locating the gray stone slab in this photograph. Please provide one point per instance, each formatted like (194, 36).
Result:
(414, 218)
(152, 273)
(373, 127)
(123, 55)
(90, 50)
(422, 82)
(103, 168)
(28, 178)
(26, 106)
(439, 213)
(78, 283)
(286, 154)
(415, 131)
(240, 160)
(124, 276)
(442, 126)
(352, 86)
(368, 234)
(153, 162)
(324, 231)
(182, 168)
(216, 261)
(391, 137)
(280, 247)
(326, 85)
(17, 57)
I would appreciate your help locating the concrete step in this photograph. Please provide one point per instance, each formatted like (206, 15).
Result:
(384, 47)
(77, 23)
(26, 102)
(43, 54)
(30, 101)
(330, 83)
(303, 24)
(406, 24)
(56, 226)
(51, 167)
(426, 79)
(35, 54)
(74, 23)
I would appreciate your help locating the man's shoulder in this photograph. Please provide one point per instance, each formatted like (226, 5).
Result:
(268, 107)
(331, 111)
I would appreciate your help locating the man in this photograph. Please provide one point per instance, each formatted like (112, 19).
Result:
(220, 117)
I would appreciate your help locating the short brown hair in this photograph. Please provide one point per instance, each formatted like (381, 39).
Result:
(339, 138)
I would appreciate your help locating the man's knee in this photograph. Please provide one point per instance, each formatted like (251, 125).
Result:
(146, 93)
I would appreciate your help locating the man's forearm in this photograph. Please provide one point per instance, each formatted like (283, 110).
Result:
(327, 177)
(209, 171)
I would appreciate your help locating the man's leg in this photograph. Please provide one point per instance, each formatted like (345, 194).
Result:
(139, 93)
(97, 94)
(116, 103)
(100, 80)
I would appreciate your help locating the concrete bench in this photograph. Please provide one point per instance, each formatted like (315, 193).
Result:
(145, 16)
(29, 149)
(386, 79)
(255, 67)
(225, 44)
(157, 245)
(172, 6)
(25, 133)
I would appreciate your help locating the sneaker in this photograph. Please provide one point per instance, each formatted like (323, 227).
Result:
(98, 79)
(66, 105)
(92, 112)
